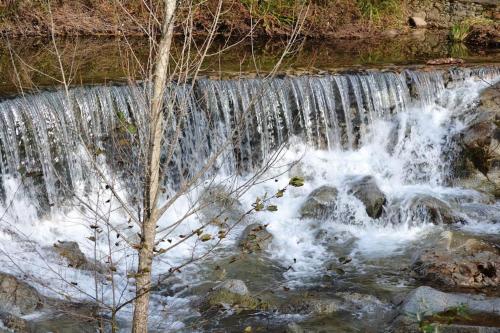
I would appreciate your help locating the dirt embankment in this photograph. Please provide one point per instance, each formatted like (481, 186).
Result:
(322, 19)
(342, 18)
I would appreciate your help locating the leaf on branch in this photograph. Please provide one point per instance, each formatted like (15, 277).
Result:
(199, 232)
(121, 116)
(258, 205)
(136, 246)
(205, 237)
(131, 129)
(280, 193)
(91, 238)
(272, 208)
(296, 181)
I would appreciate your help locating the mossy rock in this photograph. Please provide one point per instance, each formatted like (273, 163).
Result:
(235, 295)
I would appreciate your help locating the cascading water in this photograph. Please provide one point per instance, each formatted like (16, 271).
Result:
(396, 127)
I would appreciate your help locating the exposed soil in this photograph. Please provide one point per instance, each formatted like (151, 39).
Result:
(323, 18)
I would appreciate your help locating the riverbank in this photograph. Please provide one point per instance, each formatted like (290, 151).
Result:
(339, 19)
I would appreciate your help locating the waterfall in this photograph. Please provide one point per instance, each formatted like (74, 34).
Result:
(243, 120)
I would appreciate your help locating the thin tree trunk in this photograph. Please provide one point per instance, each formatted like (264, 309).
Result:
(151, 186)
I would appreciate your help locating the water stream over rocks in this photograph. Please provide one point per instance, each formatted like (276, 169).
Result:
(379, 151)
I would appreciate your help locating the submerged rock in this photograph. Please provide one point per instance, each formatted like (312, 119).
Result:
(232, 294)
(255, 238)
(311, 303)
(469, 263)
(17, 297)
(366, 190)
(320, 202)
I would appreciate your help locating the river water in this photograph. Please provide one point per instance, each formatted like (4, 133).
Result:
(397, 126)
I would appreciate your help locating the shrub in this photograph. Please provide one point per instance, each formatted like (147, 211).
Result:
(460, 31)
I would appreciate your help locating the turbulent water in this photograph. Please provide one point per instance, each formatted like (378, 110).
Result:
(396, 127)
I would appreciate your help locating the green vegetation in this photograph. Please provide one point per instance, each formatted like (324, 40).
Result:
(456, 314)
(374, 10)
(460, 31)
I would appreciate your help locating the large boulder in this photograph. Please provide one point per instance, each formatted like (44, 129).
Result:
(17, 297)
(320, 203)
(428, 310)
(460, 261)
(426, 208)
(429, 301)
(366, 190)
(479, 165)
(255, 238)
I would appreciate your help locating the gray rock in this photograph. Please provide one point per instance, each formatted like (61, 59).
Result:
(17, 297)
(233, 286)
(229, 294)
(320, 202)
(255, 238)
(430, 209)
(429, 301)
(366, 189)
